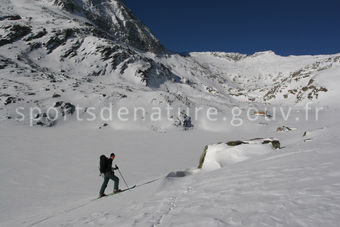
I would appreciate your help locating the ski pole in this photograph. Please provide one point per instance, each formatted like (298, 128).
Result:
(123, 179)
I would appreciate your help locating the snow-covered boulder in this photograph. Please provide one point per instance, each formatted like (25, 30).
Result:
(216, 156)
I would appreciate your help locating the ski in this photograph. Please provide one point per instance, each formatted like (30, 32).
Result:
(123, 190)
(115, 193)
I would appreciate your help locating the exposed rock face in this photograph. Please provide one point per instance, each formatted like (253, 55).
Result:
(50, 119)
(201, 161)
(113, 17)
(275, 143)
(10, 100)
(65, 108)
(14, 32)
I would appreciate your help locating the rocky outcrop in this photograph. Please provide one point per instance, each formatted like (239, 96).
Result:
(275, 143)
(183, 120)
(13, 33)
(50, 118)
(65, 108)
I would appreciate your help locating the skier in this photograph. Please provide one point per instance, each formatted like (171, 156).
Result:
(108, 172)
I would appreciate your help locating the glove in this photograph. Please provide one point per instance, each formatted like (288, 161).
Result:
(116, 167)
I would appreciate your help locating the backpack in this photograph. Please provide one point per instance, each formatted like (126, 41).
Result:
(103, 162)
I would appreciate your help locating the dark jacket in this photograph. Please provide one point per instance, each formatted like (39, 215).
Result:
(109, 166)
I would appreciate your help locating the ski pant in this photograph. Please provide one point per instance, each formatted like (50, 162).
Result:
(107, 177)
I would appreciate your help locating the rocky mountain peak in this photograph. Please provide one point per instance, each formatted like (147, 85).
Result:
(114, 17)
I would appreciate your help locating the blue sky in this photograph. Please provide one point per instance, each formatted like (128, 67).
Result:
(245, 26)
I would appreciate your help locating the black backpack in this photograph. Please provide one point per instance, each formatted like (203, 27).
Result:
(103, 163)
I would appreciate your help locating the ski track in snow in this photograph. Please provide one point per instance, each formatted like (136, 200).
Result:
(169, 205)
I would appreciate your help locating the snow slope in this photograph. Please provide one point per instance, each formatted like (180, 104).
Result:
(297, 185)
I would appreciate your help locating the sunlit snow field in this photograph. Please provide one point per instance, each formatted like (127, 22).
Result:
(49, 177)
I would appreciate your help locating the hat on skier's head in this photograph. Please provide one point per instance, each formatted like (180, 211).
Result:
(112, 154)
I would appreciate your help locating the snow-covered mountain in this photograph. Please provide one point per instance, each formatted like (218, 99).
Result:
(92, 53)
(279, 168)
